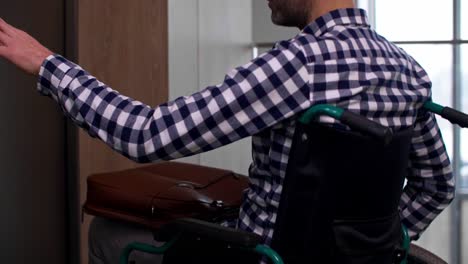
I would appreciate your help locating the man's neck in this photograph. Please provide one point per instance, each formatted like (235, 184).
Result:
(322, 7)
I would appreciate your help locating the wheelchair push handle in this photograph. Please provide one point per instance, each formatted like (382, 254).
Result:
(353, 120)
(452, 115)
(367, 126)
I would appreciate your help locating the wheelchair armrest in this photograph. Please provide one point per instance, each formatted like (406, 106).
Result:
(206, 230)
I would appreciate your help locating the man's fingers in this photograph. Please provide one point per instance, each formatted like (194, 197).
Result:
(4, 38)
(6, 28)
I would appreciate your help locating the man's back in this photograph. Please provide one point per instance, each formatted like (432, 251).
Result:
(351, 66)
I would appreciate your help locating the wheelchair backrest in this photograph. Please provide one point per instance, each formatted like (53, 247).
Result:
(340, 197)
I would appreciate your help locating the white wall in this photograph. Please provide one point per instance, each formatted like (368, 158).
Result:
(207, 38)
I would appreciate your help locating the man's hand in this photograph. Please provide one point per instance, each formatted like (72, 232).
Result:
(21, 49)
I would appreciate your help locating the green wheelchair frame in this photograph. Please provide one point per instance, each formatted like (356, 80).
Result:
(354, 121)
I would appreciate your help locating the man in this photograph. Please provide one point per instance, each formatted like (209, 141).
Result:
(336, 59)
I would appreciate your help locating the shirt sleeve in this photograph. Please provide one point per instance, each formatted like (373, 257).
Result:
(430, 185)
(267, 90)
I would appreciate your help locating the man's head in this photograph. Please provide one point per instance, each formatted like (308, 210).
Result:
(299, 13)
(290, 13)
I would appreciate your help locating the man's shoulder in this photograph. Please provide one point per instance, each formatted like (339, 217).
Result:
(295, 44)
(297, 41)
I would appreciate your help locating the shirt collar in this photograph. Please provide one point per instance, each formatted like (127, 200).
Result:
(346, 16)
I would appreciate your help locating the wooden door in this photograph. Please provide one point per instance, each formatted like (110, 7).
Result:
(123, 43)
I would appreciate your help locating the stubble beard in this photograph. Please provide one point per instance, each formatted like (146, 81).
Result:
(289, 17)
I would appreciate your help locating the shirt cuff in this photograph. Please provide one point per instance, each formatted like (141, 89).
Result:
(52, 73)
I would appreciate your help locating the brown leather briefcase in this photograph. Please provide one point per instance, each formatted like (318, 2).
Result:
(154, 195)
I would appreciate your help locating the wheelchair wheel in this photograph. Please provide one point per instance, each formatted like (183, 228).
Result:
(419, 255)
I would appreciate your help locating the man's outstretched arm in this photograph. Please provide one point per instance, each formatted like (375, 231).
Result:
(265, 91)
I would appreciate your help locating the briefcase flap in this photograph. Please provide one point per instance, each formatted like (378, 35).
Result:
(164, 191)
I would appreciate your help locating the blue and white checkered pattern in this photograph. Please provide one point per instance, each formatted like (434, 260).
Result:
(337, 60)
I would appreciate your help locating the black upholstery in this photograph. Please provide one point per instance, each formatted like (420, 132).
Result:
(340, 197)
(208, 230)
(208, 243)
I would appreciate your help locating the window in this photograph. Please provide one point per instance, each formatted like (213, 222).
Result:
(464, 241)
(464, 108)
(464, 20)
(436, 34)
(415, 20)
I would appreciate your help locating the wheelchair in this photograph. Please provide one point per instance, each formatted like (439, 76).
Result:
(330, 192)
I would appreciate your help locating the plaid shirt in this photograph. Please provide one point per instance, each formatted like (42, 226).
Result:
(336, 60)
